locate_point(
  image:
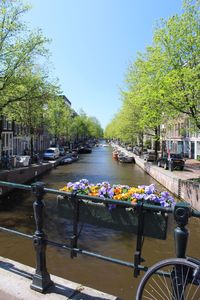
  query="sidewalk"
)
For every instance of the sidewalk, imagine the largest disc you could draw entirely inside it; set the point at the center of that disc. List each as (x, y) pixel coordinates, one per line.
(193, 164)
(191, 170)
(16, 279)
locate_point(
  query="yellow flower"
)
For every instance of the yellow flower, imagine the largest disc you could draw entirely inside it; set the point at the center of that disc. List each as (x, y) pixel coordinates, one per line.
(64, 189)
(133, 201)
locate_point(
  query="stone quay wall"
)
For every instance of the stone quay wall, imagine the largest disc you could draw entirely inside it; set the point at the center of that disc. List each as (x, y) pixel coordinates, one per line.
(23, 175)
(190, 192)
(186, 190)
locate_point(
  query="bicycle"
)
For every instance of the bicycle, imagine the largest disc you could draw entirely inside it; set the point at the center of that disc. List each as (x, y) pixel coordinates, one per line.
(174, 278)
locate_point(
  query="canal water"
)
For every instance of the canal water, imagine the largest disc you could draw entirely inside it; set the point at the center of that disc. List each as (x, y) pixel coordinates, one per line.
(16, 212)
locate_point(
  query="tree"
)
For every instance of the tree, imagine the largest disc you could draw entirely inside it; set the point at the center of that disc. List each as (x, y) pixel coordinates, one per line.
(179, 41)
(94, 128)
(30, 112)
(18, 50)
(56, 117)
(163, 82)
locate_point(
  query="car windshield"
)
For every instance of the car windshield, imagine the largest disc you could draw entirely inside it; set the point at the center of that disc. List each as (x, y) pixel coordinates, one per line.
(49, 151)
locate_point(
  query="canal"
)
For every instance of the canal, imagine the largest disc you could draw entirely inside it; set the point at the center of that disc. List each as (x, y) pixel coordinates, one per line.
(16, 212)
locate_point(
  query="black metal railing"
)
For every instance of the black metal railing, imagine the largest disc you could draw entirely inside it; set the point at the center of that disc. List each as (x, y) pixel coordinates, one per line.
(41, 279)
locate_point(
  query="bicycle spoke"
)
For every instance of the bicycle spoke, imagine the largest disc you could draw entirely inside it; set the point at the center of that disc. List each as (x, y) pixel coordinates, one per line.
(150, 295)
(192, 283)
(156, 290)
(170, 279)
(174, 293)
(185, 282)
(170, 294)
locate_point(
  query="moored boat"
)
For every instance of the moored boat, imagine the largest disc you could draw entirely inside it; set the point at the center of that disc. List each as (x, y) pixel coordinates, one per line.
(125, 158)
(115, 154)
(84, 149)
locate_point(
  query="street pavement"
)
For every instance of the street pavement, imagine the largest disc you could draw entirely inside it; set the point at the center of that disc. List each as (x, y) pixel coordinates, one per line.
(191, 170)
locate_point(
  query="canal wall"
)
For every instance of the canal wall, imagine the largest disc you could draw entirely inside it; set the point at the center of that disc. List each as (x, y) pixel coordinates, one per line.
(178, 182)
(16, 279)
(190, 192)
(24, 174)
(186, 190)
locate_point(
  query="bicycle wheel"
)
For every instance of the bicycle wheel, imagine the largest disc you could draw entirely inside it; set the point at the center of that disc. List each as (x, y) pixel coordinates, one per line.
(171, 279)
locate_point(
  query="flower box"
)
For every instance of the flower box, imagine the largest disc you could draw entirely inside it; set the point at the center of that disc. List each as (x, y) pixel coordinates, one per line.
(119, 218)
(123, 217)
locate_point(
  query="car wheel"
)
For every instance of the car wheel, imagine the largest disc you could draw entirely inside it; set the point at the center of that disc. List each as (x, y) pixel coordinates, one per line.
(165, 166)
(159, 164)
(181, 168)
(171, 167)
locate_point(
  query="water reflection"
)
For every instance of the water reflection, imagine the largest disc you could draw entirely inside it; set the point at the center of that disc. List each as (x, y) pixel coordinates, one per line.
(16, 212)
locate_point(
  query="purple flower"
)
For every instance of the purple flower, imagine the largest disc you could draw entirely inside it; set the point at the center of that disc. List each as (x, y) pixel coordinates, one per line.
(69, 184)
(150, 189)
(138, 196)
(165, 194)
(85, 181)
(110, 193)
(155, 198)
(102, 190)
(76, 186)
(141, 186)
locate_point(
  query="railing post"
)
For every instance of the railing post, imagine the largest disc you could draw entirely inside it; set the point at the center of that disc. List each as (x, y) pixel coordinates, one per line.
(74, 238)
(139, 243)
(181, 216)
(41, 279)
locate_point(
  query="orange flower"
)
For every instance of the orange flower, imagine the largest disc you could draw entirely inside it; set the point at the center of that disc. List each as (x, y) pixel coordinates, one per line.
(117, 197)
(117, 191)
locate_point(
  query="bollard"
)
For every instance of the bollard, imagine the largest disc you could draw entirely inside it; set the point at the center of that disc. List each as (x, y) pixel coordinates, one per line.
(41, 278)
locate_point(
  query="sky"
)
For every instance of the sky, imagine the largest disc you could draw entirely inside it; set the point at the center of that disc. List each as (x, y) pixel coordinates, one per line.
(92, 44)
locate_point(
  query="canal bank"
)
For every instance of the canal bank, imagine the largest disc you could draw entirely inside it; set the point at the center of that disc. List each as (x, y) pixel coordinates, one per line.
(26, 174)
(180, 183)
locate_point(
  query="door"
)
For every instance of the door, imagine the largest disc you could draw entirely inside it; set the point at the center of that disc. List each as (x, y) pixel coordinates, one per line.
(192, 149)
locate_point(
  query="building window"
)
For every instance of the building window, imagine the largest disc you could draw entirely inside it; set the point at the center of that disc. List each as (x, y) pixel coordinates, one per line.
(9, 125)
(4, 123)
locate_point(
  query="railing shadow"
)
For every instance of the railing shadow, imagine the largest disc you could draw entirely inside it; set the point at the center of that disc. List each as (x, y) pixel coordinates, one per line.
(57, 288)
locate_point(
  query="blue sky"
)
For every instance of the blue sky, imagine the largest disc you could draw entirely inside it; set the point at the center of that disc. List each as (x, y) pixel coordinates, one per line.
(92, 44)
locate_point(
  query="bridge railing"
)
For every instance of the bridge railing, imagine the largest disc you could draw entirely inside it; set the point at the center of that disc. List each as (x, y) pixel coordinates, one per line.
(41, 279)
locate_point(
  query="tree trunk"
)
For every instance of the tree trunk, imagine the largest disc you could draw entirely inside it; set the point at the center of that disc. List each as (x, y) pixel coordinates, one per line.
(31, 142)
(157, 141)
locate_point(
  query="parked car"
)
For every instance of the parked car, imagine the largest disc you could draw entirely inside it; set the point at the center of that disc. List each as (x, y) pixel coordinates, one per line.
(149, 155)
(129, 148)
(51, 153)
(174, 161)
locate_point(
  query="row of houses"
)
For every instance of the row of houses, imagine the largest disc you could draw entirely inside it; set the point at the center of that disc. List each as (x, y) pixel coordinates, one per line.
(15, 138)
(181, 137)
